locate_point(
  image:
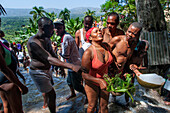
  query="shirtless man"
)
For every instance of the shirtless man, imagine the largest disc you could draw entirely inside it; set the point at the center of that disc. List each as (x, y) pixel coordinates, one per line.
(138, 58)
(112, 30)
(124, 45)
(80, 36)
(42, 57)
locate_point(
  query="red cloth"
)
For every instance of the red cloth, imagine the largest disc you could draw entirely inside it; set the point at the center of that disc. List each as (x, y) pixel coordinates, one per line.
(62, 39)
(88, 33)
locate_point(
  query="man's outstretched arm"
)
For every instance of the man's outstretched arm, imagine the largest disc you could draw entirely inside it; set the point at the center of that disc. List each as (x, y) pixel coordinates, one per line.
(44, 56)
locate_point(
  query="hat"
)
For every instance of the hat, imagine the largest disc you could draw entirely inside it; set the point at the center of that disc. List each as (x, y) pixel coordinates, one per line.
(88, 33)
(58, 21)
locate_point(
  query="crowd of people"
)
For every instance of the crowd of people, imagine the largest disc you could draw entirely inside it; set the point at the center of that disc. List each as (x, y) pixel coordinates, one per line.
(94, 52)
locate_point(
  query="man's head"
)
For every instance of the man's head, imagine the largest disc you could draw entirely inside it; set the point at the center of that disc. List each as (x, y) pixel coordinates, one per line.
(59, 26)
(133, 32)
(46, 27)
(112, 21)
(88, 21)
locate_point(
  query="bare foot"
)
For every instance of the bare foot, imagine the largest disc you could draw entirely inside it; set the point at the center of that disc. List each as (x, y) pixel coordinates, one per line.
(70, 97)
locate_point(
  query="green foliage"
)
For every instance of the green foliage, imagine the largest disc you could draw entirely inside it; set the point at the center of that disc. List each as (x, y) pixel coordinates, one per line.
(56, 39)
(125, 8)
(32, 27)
(10, 25)
(38, 12)
(73, 25)
(18, 28)
(164, 4)
(90, 13)
(65, 14)
(117, 85)
(51, 15)
(165, 7)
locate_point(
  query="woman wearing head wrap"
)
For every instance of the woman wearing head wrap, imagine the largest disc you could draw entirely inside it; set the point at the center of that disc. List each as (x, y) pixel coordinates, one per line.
(95, 62)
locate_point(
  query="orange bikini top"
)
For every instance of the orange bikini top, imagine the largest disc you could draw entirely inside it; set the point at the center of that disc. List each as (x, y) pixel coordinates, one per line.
(99, 68)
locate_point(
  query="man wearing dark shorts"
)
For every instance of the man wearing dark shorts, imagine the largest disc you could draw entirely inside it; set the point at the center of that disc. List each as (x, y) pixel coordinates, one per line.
(42, 57)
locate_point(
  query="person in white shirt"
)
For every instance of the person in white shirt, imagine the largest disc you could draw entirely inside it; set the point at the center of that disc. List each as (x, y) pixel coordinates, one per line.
(71, 54)
(80, 36)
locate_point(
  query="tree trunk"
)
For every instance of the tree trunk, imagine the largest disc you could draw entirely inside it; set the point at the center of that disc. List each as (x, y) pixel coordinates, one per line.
(151, 16)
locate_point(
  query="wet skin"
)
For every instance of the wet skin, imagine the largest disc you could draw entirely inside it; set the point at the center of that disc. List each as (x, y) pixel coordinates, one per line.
(91, 89)
(43, 56)
(87, 25)
(39, 48)
(124, 45)
(10, 92)
(111, 31)
(39, 54)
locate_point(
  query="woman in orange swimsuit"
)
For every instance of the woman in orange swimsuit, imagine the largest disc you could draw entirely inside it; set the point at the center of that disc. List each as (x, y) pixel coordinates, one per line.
(95, 62)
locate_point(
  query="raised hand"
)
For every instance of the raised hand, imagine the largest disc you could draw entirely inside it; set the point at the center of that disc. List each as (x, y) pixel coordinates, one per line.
(134, 68)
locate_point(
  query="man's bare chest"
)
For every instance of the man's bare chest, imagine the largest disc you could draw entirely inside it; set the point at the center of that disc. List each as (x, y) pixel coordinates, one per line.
(46, 44)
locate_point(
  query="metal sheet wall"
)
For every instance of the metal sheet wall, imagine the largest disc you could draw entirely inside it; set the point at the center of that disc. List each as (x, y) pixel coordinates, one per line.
(159, 46)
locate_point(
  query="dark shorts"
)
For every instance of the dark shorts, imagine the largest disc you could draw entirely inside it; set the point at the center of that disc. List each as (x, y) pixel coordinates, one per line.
(74, 80)
(42, 79)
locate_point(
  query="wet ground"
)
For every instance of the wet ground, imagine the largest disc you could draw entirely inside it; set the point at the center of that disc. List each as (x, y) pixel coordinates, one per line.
(146, 100)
